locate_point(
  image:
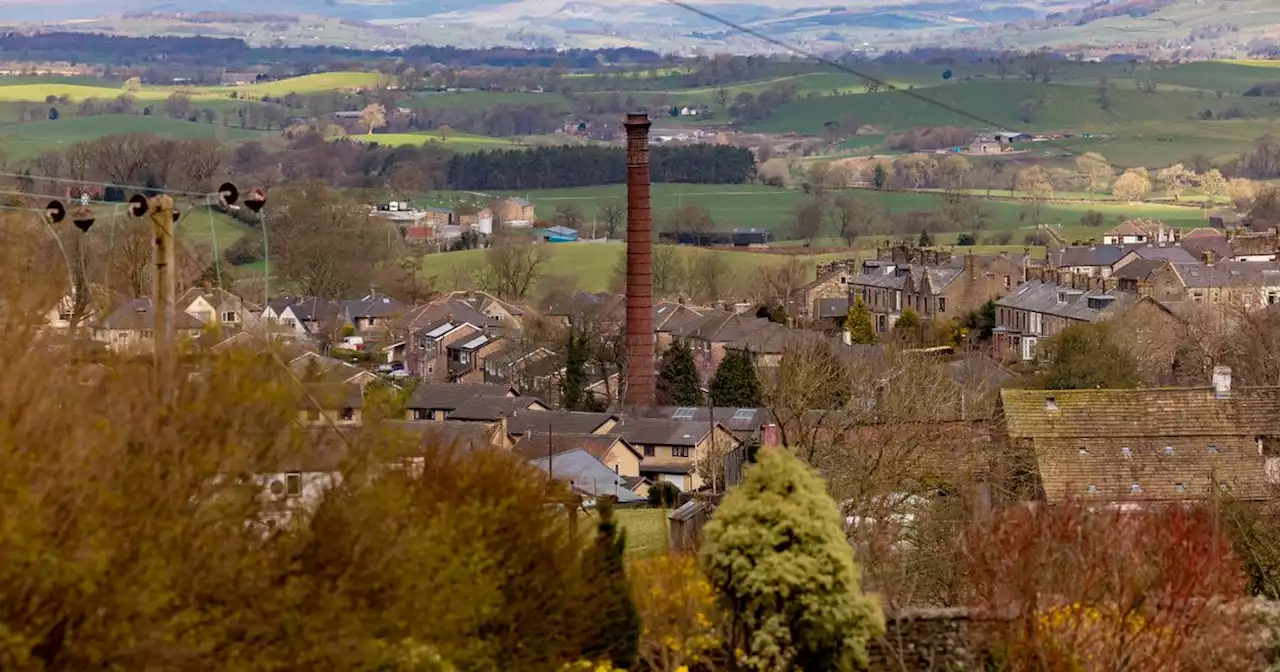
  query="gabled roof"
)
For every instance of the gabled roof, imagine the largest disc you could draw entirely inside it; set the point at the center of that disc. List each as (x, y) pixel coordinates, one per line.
(590, 305)
(771, 338)
(215, 296)
(475, 342)
(310, 309)
(379, 306)
(534, 445)
(490, 409)
(1145, 444)
(448, 396)
(332, 396)
(444, 434)
(568, 422)
(1253, 244)
(657, 432)
(1126, 228)
(738, 420)
(587, 475)
(1045, 297)
(139, 315)
(440, 312)
(669, 316)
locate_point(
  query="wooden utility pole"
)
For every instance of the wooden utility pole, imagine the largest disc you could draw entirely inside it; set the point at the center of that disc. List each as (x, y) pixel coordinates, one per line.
(160, 210)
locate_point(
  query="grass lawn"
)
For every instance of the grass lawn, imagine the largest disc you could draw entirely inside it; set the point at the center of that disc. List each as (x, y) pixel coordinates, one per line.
(22, 141)
(646, 531)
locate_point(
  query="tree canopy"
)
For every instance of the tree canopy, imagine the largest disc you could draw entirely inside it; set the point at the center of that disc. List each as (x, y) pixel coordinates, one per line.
(678, 383)
(858, 323)
(736, 382)
(777, 556)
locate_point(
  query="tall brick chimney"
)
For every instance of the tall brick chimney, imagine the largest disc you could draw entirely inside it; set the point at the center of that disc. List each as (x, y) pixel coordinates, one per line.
(640, 355)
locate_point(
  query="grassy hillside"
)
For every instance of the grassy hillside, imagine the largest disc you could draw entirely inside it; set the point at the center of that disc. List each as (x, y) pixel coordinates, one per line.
(1062, 107)
(1228, 76)
(30, 139)
(80, 88)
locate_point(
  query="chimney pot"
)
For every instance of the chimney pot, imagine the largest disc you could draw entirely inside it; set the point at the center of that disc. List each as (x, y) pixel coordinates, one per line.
(1221, 382)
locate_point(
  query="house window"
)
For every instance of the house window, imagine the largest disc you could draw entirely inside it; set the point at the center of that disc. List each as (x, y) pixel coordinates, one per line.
(431, 368)
(1126, 453)
(942, 304)
(373, 321)
(648, 451)
(1213, 450)
(1007, 282)
(313, 415)
(1093, 489)
(65, 315)
(1179, 487)
(421, 414)
(679, 451)
(290, 323)
(348, 414)
(1135, 489)
(146, 333)
(293, 485)
(229, 316)
(1168, 450)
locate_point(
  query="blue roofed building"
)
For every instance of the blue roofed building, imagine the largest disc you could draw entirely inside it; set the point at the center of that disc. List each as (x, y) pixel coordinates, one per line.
(558, 234)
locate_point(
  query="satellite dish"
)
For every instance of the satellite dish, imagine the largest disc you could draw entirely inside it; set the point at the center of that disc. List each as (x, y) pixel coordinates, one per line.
(228, 193)
(138, 205)
(56, 211)
(83, 218)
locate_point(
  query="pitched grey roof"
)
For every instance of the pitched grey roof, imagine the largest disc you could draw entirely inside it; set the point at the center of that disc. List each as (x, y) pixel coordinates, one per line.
(833, 308)
(587, 474)
(374, 306)
(1063, 301)
(448, 396)
(439, 312)
(770, 338)
(446, 434)
(568, 422)
(737, 420)
(490, 409)
(1230, 274)
(657, 432)
(332, 396)
(311, 309)
(533, 445)
(138, 314)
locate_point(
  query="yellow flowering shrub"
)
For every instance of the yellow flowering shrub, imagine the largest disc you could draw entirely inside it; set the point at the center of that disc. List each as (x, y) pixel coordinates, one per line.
(677, 608)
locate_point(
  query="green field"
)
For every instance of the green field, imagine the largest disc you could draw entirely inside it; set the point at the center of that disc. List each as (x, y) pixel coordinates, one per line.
(772, 208)
(80, 88)
(20, 141)
(995, 103)
(593, 266)
(459, 142)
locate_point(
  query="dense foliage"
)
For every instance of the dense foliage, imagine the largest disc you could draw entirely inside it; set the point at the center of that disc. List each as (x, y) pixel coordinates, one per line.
(564, 167)
(736, 383)
(677, 383)
(777, 556)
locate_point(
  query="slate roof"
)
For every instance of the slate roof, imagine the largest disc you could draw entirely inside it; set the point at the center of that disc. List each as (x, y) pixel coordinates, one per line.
(439, 312)
(737, 420)
(1043, 297)
(374, 305)
(1145, 444)
(137, 315)
(311, 309)
(332, 396)
(534, 445)
(669, 317)
(587, 475)
(216, 296)
(1126, 228)
(1214, 242)
(770, 338)
(490, 409)
(1229, 274)
(448, 434)
(1253, 244)
(658, 432)
(568, 422)
(1136, 270)
(721, 327)
(448, 396)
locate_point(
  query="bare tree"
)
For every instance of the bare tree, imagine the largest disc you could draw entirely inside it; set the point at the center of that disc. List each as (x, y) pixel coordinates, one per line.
(809, 216)
(130, 258)
(324, 245)
(373, 116)
(782, 281)
(512, 267)
(709, 274)
(613, 213)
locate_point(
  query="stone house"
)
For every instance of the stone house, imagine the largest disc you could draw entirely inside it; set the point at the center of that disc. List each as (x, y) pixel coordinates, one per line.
(830, 285)
(516, 212)
(710, 337)
(372, 314)
(1137, 231)
(1040, 309)
(1143, 446)
(216, 306)
(934, 292)
(1248, 285)
(130, 327)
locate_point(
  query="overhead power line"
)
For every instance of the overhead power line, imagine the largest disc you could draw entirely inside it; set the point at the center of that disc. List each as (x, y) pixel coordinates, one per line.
(910, 93)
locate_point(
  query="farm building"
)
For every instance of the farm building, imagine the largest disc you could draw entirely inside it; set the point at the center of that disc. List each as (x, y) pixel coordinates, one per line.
(736, 238)
(558, 234)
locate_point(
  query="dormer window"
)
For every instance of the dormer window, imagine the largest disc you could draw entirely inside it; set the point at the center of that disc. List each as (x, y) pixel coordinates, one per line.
(1168, 450)
(1179, 487)
(1135, 489)
(1093, 489)
(1126, 453)
(1050, 404)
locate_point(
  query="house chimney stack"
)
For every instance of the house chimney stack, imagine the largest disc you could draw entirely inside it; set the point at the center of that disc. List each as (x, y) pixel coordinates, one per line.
(1221, 382)
(640, 362)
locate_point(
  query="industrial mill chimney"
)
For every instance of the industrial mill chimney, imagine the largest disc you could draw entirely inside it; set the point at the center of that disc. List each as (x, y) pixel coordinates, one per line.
(640, 356)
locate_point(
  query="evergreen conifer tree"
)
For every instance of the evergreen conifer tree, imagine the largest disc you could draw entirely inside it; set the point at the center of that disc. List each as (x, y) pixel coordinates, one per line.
(736, 383)
(617, 636)
(858, 323)
(777, 556)
(573, 388)
(677, 383)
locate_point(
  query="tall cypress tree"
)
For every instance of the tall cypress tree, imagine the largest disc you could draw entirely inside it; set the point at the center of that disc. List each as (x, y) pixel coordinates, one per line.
(617, 626)
(736, 382)
(858, 323)
(573, 389)
(677, 383)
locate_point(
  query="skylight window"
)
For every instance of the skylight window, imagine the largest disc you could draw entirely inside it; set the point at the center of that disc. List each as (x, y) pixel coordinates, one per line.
(1135, 489)
(1093, 489)
(1213, 450)
(1180, 487)
(684, 413)
(1168, 450)
(1126, 453)
(743, 415)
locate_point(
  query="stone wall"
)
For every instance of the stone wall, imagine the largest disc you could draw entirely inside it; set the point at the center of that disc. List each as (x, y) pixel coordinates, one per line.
(941, 640)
